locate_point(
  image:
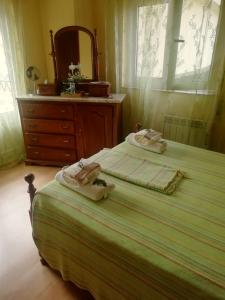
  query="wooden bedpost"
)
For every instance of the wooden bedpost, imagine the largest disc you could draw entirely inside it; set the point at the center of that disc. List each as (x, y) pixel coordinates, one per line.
(31, 190)
(29, 178)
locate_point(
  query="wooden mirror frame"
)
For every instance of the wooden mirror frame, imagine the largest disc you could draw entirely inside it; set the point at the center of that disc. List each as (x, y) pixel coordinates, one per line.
(94, 51)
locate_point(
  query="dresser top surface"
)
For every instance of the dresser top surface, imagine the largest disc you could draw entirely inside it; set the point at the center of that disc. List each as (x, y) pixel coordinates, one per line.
(113, 98)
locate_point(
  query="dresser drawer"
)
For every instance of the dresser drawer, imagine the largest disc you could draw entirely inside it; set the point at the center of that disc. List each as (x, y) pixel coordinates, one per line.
(51, 154)
(47, 110)
(48, 126)
(50, 140)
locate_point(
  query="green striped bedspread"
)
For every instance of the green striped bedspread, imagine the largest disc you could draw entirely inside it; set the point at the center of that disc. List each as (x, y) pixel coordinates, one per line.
(139, 243)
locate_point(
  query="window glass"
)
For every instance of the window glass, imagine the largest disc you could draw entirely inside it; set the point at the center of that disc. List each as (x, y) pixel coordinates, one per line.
(152, 21)
(6, 99)
(197, 37)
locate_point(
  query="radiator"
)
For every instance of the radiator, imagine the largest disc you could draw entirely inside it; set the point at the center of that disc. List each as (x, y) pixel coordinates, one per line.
(186, 131)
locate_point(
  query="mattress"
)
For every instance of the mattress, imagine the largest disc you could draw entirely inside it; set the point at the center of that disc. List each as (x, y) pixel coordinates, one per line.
(140, 243)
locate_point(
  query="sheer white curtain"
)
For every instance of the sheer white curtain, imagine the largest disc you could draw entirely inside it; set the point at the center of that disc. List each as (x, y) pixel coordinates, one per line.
(163, 54)
(11, 84)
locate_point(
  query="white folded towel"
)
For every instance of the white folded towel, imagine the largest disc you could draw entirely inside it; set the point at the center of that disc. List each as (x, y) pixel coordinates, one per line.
(157, 147)
(92, 191)
(81, 173)
(147, 137)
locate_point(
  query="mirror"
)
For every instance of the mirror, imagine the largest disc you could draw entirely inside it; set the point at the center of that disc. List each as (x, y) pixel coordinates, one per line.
(77, 45)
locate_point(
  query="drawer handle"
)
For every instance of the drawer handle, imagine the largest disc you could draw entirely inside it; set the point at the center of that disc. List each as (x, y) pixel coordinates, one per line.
(33, 125)
(34, 139)
(36, 152)
(62, 111)
(67, 154)
(66, 141)
(65, 127)
(30, 110)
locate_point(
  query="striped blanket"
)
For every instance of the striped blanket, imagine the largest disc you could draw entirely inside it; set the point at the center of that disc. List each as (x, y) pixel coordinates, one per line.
(140, 244)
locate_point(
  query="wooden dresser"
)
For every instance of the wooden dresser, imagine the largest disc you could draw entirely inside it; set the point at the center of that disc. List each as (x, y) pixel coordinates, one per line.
(59, 131)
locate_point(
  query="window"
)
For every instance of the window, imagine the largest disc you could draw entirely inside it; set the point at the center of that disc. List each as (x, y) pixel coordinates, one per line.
(6, 98)
(175, 42)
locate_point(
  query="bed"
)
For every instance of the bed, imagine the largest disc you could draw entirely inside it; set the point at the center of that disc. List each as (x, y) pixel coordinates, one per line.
(140, 243)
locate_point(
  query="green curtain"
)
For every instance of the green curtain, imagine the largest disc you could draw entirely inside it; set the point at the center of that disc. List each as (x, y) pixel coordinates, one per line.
(12, 83)
(167, 56)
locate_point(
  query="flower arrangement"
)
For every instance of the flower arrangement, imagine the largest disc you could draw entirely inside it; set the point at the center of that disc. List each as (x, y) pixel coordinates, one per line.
(74, 76)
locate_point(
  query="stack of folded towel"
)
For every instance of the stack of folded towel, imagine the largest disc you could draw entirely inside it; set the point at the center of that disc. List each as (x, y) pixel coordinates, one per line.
(147, 139)
(82, 177)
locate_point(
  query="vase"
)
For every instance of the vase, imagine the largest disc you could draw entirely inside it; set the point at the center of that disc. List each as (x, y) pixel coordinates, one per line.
(72, 88)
